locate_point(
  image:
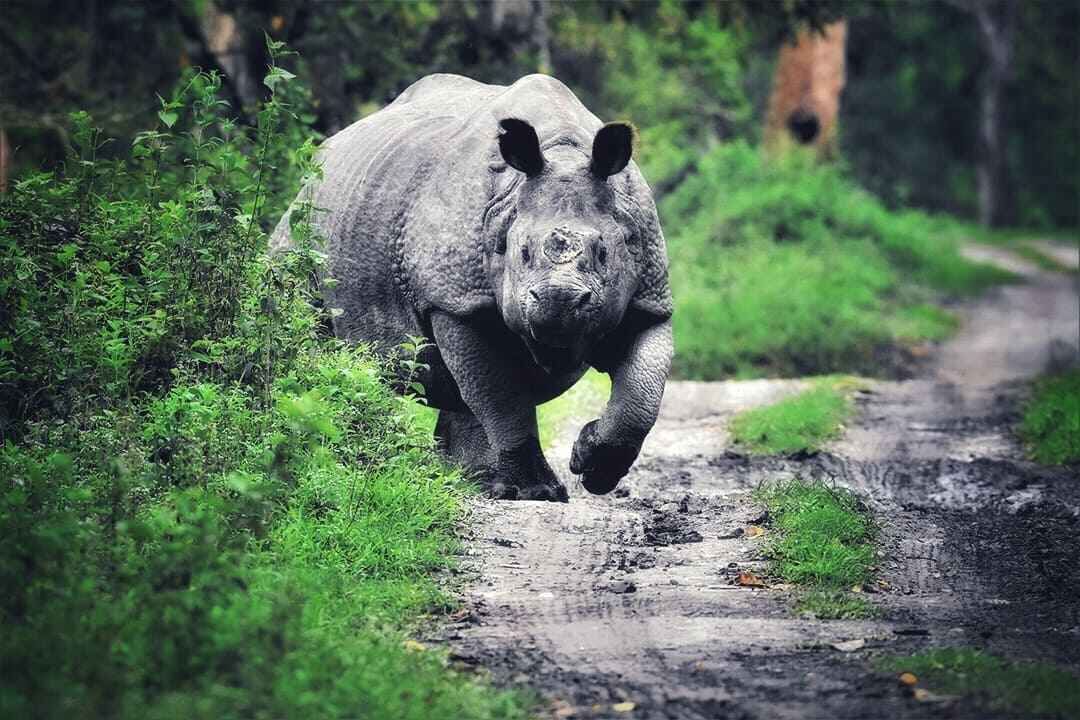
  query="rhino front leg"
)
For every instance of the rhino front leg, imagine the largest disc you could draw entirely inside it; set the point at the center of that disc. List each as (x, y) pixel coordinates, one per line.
(607, 447)
(515, 467)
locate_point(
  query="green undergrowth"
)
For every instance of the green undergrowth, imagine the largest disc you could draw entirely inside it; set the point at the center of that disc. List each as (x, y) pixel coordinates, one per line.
(1032, 688)
(823, 542)
(1051, 422)
(584, 401)
(785, 267)
(209, 507)
(802, 422)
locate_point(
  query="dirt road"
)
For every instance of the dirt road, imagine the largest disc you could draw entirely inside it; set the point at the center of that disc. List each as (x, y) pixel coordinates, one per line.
(629, 598)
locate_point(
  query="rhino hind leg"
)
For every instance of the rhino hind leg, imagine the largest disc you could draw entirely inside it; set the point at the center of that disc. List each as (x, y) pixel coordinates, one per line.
(521, 473)
(461, 438)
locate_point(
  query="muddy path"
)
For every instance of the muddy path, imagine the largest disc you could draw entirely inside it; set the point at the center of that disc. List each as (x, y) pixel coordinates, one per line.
(630, 597)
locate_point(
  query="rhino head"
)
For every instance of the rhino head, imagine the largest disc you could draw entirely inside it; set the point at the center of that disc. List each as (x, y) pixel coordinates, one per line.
(562, 267)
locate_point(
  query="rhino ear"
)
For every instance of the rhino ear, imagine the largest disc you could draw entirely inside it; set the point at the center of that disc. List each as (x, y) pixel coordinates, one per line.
(612, 148)
(520, 147)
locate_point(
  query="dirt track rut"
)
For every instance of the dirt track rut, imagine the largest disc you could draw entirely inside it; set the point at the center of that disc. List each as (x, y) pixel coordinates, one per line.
(630, 597)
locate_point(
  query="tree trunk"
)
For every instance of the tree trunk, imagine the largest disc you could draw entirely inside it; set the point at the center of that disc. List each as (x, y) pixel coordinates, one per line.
(996, 22)
(5, 160)
(807, 84)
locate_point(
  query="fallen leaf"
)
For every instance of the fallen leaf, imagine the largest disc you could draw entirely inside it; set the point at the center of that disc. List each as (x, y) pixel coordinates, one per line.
(925, 696)
(414, 645)
(908, 679)
(750, 580)
(849, 645)
(623, 707)
(754, 530)
(856, 588)
(563, 709)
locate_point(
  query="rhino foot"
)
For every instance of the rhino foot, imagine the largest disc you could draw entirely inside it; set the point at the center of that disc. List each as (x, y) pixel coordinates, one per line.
(523, 474)
(601, 465)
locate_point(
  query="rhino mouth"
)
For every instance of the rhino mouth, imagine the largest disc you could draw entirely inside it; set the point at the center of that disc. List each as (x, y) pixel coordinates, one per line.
(555, 360)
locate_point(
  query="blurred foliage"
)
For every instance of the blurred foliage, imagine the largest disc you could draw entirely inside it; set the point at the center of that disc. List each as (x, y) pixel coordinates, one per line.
(210, 508)
(910, 109)
(800, 272)
(687, 73)
(1051, 422)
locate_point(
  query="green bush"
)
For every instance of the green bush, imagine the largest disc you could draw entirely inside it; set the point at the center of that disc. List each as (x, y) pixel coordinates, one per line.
(210, 508)
(784, 267)
(1051, 423)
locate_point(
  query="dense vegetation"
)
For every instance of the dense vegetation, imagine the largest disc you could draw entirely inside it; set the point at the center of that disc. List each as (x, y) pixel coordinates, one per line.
(1051, 422)
(787, 267)
(211, 508)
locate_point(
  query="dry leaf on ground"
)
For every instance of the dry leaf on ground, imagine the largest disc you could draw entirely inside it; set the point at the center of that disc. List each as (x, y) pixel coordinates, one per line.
(849, 645)
(754, 530)
(623, 707)
(750, 580)
(908, 679)
(414, 645)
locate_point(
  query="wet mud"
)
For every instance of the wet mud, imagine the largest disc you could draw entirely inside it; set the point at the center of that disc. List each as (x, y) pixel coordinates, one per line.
(632, 597)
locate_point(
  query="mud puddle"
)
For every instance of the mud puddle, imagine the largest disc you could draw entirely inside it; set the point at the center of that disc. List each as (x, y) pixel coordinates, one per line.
(631, 598)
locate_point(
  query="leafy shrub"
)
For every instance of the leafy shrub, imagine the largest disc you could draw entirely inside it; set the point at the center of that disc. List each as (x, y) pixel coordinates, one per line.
(785, 267)
(210, 508)
(675, 74)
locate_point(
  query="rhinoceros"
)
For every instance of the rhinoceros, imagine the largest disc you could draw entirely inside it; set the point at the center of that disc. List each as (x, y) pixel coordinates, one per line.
(509, 227)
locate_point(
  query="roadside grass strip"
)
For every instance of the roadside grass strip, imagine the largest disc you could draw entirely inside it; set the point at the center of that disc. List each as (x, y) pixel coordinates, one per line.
(1051, 423)
(1042, 260)
(824, 543)
(1032, 688)
(803, 422)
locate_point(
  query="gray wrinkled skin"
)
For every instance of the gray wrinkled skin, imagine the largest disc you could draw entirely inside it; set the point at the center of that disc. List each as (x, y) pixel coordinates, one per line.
(508, 226)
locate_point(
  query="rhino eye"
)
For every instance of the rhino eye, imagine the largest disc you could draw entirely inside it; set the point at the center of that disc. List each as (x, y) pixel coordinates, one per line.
(525, 256)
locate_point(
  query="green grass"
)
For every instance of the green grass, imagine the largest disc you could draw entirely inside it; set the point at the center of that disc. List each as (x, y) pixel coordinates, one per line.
(787, 268)
(218, 558)
(1039, 258)
(802, 422)
(583, 402)
(923, 322)
(209, 508)
(1032, 688)
(1051, 422)
(824, 542)
(835, 605)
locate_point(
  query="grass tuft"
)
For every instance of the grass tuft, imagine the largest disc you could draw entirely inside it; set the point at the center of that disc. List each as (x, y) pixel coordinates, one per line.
(835, 605)
(824, 541)
(800, 423)
(1051, 424)
(1032, 688)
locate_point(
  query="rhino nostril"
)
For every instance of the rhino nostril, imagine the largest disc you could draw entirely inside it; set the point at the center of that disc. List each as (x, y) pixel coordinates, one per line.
(534, 295)
(582, 299)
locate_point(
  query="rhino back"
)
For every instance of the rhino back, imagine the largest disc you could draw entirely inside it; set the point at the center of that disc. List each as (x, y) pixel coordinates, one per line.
(405, 192)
